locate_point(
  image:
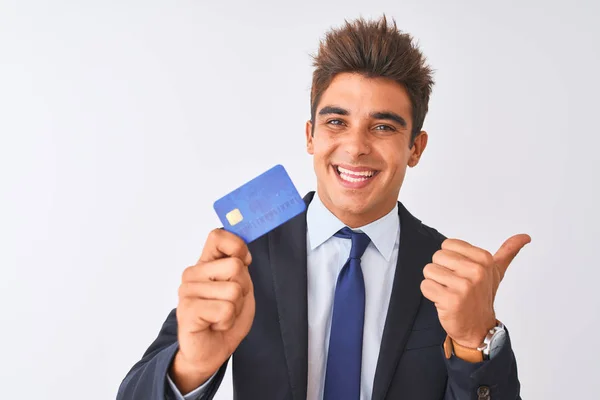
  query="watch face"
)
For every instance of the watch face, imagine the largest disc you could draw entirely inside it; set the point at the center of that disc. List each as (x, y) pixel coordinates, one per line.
(497, 342)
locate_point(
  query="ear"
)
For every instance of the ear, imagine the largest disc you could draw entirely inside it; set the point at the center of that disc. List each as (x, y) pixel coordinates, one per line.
(417, 149)
(309, 137)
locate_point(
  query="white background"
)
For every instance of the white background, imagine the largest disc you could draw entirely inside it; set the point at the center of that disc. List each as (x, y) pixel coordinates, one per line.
(122, 122)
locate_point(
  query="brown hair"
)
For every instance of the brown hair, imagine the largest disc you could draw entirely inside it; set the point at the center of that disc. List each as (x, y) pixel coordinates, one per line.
(374, 49)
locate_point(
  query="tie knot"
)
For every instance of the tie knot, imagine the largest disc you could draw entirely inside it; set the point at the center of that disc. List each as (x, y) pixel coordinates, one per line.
(360, 241)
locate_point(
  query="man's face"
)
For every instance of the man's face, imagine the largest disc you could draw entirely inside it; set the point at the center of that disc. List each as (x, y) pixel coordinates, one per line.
(361, 146)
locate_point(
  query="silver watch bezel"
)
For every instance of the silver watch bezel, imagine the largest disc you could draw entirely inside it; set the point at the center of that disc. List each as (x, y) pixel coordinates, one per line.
(489, 339)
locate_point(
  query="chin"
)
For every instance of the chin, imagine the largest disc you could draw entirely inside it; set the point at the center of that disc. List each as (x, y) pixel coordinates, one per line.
(351, 207)
(352, 202)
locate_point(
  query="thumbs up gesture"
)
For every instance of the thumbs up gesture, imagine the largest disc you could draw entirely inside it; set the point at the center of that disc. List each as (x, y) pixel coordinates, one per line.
(462, 281)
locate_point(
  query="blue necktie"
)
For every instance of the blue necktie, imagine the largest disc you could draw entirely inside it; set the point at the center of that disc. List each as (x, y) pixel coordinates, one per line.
(342, 378)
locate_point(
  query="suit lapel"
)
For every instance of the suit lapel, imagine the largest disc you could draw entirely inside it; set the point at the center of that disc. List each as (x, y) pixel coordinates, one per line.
(287, 253)
(405, 299)
(288, 260)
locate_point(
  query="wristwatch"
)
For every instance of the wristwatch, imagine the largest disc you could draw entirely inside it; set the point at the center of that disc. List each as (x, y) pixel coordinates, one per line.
(493, 342)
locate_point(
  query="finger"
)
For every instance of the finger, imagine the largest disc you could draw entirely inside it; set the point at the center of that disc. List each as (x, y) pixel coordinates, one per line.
(221, 243)
(444, 277)
(228, 291)
(462, 266)
(509, 250)
(224, 269)
(476, 254)
(200, 314)
(433, 291)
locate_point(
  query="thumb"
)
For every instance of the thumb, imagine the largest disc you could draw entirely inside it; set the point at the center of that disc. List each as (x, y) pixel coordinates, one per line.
(509, 250)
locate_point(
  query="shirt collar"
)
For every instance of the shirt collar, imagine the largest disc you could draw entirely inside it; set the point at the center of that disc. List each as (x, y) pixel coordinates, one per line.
(322, 225)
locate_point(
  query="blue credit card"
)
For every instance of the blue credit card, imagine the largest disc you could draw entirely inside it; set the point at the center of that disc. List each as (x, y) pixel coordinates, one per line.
(260, 205)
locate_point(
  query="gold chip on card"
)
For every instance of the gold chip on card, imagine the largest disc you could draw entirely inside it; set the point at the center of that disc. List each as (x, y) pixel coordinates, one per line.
(234, 217)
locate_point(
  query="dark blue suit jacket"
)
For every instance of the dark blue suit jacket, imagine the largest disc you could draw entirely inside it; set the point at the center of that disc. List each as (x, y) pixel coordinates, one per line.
(271, 363)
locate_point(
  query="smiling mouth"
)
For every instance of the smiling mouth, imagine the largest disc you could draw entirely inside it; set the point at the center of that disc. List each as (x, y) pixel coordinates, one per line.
(353, 176)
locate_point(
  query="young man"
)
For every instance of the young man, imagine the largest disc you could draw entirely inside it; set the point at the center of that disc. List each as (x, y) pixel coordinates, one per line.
(355, 298)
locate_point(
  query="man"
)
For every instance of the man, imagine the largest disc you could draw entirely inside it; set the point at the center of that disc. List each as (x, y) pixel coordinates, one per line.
(355, 298)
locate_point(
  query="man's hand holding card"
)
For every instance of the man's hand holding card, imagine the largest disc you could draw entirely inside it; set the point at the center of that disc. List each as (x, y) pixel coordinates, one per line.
(216, 297)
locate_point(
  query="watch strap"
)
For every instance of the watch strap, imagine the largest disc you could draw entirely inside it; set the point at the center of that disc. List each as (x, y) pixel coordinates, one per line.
(462, 352)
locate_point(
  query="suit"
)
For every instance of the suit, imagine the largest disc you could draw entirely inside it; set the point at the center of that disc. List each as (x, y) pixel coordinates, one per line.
(271, 362)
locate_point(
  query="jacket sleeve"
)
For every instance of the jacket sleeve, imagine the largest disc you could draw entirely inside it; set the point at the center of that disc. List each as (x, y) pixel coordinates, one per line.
(147, 379)
(494, 379)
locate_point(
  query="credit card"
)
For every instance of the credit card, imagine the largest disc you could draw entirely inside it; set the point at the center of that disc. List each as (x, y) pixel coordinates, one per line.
(260, 205)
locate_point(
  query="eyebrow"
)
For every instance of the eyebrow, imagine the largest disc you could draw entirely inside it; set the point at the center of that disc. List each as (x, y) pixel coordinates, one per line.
(385, 115)
(392, 116)
(333, 110)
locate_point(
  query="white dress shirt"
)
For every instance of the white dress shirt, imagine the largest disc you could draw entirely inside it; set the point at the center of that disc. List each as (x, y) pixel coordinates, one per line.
(327, 255)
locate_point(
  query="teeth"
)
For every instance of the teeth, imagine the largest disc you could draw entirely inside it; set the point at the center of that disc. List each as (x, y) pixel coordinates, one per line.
(354, 173)
(348, 178)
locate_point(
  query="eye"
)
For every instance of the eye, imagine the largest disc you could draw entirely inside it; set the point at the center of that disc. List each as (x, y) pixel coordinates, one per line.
(384, 128)
(335, 122)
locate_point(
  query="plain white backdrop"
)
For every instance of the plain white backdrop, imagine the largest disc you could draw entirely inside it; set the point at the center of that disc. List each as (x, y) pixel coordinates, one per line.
(122, 121)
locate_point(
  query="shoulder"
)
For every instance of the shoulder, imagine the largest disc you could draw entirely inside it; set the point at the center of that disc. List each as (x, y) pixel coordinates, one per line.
(414, 224)
(432, 233)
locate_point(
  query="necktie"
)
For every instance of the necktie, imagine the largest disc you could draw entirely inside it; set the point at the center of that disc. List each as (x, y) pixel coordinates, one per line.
(342, 377)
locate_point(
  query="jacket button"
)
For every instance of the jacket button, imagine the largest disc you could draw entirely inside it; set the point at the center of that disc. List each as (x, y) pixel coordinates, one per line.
(483, 393)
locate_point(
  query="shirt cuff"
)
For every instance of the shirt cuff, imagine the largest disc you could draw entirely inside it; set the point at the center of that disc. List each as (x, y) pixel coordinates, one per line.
(194, 394)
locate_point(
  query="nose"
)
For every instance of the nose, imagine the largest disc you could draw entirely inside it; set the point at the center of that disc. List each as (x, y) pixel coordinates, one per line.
(357, 142)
